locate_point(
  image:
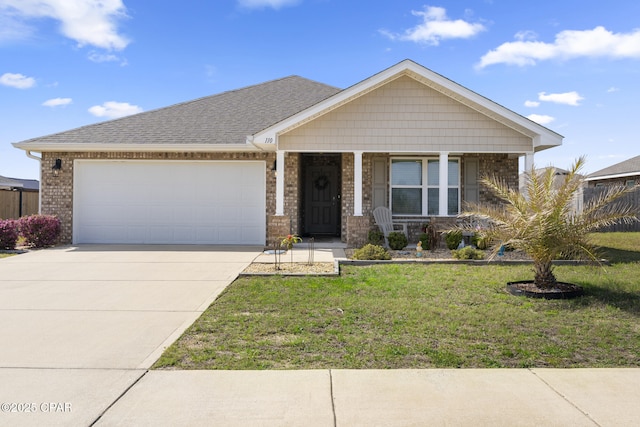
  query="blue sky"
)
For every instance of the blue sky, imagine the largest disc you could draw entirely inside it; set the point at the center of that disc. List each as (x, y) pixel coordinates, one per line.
(571, 65)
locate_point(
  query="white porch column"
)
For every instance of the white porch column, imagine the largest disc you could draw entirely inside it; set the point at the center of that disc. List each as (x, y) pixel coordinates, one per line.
(443, 188)
(528, 162)
(357, 183)
(528, 169)
(280, 183)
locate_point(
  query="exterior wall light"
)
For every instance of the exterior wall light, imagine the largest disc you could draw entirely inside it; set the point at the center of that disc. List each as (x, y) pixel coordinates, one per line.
(56, 167)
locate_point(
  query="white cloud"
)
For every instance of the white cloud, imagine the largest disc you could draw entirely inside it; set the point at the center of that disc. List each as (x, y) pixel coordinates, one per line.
(88, 22)
(568, 44)
(526, 35)
(540, 118)
(18, 81)
(102, 57)
(436, 26)
(259, 4)
(56, 102)
(11, 29)
(114, 110)
(98, 57)
(531, 104)
(613, 89)
(567, 98)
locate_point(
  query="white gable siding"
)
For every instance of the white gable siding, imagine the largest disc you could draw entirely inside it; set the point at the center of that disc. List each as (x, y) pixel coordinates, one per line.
(405, 116)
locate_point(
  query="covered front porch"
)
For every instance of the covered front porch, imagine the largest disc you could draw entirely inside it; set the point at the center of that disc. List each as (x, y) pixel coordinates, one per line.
(334, 194)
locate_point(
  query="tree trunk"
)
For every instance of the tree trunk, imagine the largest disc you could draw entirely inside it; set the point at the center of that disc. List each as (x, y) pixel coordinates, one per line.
(544, 275)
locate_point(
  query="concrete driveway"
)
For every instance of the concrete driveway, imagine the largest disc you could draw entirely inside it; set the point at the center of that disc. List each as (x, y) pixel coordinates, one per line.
(80, 325)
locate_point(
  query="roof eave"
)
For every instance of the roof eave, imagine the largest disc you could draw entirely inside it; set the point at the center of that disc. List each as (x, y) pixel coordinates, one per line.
(96, 147)
(612, 176)
(546, 141)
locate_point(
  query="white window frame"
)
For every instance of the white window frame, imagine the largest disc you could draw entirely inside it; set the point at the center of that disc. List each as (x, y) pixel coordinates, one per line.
(425, 186)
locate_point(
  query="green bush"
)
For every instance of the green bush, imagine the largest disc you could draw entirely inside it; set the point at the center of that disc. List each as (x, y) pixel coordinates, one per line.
(468, 253)
(453, 239)
(375, 237)
(480, 241)
(397, 240)
(371, 252)
(425, 240)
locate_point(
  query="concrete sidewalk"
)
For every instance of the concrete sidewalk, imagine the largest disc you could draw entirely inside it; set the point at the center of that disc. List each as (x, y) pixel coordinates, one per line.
(438, 397)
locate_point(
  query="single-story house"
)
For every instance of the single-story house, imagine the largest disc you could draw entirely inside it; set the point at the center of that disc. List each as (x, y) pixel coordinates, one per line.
(292, 155)
(558, 173)
(623, 173)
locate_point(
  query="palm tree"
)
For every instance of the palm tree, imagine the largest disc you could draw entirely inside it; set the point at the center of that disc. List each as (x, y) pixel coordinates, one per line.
(543, 221)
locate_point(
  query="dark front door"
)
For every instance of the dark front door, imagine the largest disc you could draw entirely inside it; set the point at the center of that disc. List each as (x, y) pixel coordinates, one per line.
(322, 195)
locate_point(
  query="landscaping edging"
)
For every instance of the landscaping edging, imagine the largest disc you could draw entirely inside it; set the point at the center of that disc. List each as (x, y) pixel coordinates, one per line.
(462, 261)
(345, 261)
(572, 291)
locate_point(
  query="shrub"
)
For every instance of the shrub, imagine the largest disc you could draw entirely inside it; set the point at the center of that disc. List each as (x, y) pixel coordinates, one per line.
(397, 240)
(375, 237)
(433, 239)
(371, 252)
(453, 239)
(8, 234)
(480, 241)
(468, 253)
(424, 240)
(40, 231)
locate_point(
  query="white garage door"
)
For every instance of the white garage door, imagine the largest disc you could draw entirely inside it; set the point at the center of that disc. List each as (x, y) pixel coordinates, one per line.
(169, 202)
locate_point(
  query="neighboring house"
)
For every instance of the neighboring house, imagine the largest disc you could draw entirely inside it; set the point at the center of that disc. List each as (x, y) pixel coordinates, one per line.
(623, 173)
(559, 175)
(287, 156)
(626, 173)
(558, 179)
(18, 197)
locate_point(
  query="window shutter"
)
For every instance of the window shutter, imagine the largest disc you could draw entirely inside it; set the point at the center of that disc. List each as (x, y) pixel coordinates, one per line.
(471, 176)
(380, 182)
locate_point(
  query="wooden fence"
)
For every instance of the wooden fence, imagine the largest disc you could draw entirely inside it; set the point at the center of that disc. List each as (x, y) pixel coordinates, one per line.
(632, 198)
(10, 206)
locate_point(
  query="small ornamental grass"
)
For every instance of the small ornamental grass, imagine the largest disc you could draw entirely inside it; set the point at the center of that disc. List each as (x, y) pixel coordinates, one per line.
(468, 252)
(371, 252)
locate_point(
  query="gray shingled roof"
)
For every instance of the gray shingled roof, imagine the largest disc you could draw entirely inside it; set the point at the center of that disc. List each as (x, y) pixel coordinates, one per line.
(26, 184)
(225, 118)
(631, 165)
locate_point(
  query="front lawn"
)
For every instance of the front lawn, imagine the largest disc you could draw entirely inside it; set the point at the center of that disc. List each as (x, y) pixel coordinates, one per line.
(421, 316)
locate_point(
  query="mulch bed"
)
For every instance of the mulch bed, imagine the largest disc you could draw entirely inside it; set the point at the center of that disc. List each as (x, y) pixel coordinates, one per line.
(301, 268)
(560, 290)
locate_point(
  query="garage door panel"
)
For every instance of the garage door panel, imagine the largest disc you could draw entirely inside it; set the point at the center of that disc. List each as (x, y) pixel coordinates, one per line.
(196, 202)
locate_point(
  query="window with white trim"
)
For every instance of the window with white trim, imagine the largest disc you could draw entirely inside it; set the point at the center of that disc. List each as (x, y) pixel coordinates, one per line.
(415, 186)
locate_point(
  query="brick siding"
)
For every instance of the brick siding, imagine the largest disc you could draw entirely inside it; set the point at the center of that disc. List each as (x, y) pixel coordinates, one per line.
(57, 191)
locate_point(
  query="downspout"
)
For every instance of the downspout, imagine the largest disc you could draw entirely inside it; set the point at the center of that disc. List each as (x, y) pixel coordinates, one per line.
(39, 159)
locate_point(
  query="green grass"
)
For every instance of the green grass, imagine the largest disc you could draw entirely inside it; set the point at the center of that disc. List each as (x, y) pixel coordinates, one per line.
(5, 255)
(421, 316)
